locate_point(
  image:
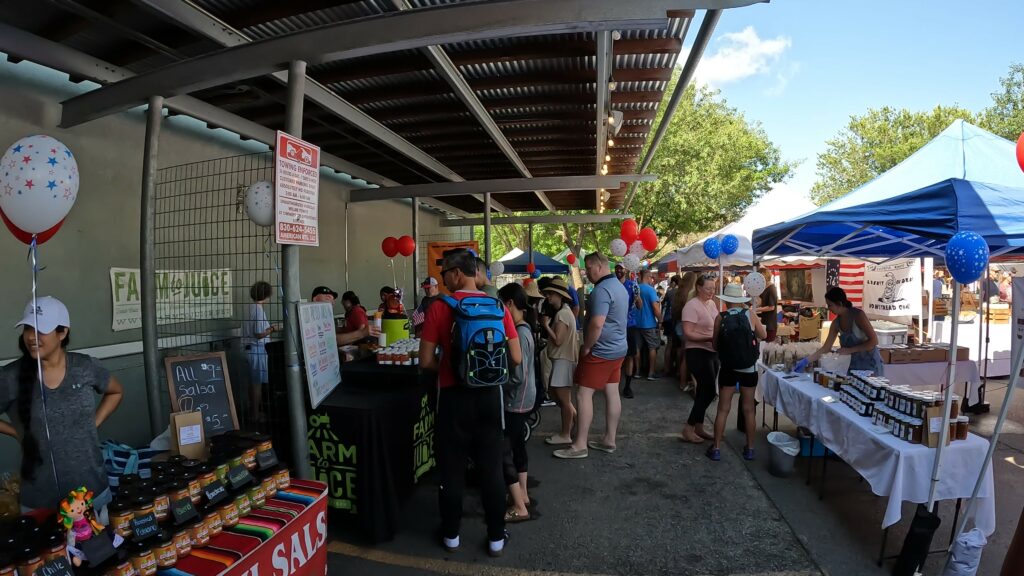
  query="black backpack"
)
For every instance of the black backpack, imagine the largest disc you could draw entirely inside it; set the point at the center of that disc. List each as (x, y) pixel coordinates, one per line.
(737, 344)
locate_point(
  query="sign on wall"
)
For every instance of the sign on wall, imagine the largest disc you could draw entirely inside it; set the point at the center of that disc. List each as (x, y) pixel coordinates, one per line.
(296, 191)
(181, 295)
(320, 349)
(893, 288)
(1017, 330)
(435, 257)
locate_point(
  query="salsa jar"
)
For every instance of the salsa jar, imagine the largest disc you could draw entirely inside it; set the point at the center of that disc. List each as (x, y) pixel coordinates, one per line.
(166, 551)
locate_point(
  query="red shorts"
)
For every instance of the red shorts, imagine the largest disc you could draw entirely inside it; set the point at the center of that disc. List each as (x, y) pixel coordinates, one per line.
(596, 373)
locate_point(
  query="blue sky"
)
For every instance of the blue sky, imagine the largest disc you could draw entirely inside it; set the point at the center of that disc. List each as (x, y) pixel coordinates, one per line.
(802, 67)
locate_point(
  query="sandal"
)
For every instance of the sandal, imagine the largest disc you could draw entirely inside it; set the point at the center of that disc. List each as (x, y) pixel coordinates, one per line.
(555, 441)
(513, 517)
(691, 439)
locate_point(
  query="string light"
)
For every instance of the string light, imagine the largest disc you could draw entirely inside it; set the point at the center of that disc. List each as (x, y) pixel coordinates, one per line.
(607, 157)
(611, 142)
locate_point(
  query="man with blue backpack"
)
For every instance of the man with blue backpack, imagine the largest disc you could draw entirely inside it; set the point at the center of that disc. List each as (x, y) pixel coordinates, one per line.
(468, 339)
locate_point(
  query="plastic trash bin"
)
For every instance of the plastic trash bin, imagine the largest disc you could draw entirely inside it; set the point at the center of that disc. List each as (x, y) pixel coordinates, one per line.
(784, 449)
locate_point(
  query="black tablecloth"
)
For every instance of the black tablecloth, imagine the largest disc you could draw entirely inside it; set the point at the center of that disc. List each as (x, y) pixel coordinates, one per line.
(371, 441)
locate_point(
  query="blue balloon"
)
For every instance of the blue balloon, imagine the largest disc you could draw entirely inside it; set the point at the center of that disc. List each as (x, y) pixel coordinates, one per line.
(966, 256)
(535, 275)
(712, 248)
(730, 244)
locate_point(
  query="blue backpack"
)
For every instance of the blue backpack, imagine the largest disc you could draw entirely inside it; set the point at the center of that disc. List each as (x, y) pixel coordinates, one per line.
(480, 346)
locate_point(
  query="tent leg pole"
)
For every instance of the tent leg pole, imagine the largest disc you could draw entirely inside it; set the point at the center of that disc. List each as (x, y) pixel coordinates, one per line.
(1018, 364)
(948, 393)
(529, 242)
(487, 228)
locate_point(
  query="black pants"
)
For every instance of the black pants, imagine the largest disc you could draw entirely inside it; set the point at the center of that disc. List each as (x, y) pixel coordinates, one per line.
(703, 365)
(515, 446)
(469, 426)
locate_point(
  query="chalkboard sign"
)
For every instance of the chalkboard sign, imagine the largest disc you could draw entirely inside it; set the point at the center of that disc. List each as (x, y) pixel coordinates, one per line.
(201, 382)
(239, 477)
(57, 567)
(144, 527)
(183, 511)
(266, 459)
(215, 492)
(98, 548)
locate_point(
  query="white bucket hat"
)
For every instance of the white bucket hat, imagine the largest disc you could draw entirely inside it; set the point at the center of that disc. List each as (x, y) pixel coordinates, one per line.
(734, 295)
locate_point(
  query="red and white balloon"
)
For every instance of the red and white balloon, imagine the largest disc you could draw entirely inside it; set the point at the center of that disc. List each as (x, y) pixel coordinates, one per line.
(637, 248)
(618, 247)
(38, 184)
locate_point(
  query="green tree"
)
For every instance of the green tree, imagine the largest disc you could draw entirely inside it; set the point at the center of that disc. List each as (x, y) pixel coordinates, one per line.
(1005, 116)
(711, 165)
(875, 142)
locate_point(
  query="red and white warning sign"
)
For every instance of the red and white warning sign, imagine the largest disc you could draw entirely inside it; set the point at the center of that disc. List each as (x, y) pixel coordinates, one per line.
(296, 191)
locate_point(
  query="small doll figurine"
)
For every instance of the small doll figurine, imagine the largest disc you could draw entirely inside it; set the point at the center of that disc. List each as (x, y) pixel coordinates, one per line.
(76, 516)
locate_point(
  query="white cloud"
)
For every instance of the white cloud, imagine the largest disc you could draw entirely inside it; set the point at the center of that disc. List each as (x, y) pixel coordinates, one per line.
(741, 55)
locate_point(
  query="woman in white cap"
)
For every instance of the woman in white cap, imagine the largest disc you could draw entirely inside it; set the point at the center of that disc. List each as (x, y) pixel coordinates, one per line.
(737, 331)
(56, 424)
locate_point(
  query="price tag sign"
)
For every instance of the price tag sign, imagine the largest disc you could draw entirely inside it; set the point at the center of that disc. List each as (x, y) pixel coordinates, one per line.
(99, 548)
(215, 492)
(144, 527)
(266, 459)
(56, 567)
(828, 400)
(183, 511)
(239, 477)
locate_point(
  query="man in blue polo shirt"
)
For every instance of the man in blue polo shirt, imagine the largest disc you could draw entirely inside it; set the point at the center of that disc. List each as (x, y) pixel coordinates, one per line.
(648, 318)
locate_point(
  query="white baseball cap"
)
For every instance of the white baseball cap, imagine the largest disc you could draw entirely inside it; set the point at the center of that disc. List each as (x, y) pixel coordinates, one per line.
(49, 313)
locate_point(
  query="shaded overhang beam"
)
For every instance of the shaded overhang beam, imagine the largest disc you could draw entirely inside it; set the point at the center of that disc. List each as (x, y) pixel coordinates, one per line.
(497, 186)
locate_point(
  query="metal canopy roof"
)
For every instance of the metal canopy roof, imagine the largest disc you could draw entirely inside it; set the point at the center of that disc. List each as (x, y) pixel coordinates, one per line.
(520, 105)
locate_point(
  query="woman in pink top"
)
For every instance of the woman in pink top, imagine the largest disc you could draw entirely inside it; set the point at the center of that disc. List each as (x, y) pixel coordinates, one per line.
(699, 316)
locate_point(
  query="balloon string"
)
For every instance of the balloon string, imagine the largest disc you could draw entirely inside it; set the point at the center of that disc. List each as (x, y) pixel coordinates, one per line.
(34, 253)
(394, 278)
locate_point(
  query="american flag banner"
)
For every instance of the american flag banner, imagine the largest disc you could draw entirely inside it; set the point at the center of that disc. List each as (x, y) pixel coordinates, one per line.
(851, 280)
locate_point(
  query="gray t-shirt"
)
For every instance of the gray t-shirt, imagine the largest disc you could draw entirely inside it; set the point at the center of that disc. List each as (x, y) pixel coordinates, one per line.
(610, 299)
(521, 393)
(71, 412)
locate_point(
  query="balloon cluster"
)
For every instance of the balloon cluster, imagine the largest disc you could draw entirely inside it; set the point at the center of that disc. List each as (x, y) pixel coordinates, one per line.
(38, 187)
(714, 247)
(392, 246)
(632, 244)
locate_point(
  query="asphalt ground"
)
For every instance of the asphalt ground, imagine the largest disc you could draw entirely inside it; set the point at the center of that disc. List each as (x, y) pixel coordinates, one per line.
(657, 506)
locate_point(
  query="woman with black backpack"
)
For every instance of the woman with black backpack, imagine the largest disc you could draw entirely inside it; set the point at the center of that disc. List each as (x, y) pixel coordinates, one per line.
(520, 397)
(737, 331)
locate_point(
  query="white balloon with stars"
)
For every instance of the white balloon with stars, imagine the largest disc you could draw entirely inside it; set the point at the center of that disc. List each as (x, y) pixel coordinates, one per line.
(38, 183)
(966, 256)
(259, 203)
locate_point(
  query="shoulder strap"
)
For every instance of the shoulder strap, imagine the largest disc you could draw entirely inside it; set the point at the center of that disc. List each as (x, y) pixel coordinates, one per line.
(451, 302)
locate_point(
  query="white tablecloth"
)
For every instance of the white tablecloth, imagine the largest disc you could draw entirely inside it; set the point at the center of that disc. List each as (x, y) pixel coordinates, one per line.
(932, 376)
(893, 468)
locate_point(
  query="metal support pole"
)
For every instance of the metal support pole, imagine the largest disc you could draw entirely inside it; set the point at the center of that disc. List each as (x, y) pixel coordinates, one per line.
(529, 243)
(346, 245)
(147, 266)
(951, 369)
(487, 228)
(292, 288)
(984, 378)
(1018, 363)
(416, 251)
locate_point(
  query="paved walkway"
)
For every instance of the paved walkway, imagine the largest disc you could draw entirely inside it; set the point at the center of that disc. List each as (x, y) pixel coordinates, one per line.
(656, 506)
(659, 507)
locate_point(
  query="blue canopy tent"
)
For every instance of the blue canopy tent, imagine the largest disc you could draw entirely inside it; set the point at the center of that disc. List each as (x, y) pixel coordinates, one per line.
(546, 265)
(964, 179)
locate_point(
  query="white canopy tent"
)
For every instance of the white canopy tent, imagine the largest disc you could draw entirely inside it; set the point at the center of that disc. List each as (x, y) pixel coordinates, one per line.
(779, 204)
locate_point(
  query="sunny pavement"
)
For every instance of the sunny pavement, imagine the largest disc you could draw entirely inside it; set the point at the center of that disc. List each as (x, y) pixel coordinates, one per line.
(657, 506)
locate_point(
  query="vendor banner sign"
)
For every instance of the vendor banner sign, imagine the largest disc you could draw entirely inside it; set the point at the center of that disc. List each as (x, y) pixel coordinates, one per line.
(435, 257)
(1017, 332)
(893, 288)
(181, 296)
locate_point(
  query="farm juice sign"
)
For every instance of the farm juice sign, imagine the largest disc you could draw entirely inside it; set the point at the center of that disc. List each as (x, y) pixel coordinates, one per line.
(181, 296)
(296, 191)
